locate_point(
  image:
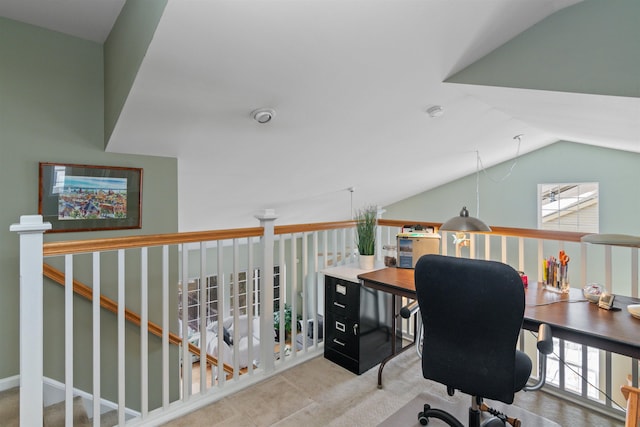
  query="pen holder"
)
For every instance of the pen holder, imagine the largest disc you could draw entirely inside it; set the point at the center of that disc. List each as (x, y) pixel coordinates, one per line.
(560, 286)
(555, 273)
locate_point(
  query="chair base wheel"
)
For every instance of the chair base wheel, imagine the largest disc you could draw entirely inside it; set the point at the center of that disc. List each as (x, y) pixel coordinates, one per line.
(429, 412)
(422, 419)
(422, 416)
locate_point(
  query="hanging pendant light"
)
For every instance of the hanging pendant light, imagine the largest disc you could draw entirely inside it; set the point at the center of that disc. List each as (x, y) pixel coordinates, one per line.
(464, 222)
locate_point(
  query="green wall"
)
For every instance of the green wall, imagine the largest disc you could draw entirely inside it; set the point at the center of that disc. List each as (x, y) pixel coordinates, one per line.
(52, 109)
(590, 47)
(512, 202)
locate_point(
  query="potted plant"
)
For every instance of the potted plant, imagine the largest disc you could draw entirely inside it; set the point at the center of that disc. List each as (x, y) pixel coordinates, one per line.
(287, 322)
(366, 223)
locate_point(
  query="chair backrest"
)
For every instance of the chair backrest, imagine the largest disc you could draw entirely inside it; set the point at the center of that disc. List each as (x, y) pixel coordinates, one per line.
(472, 311)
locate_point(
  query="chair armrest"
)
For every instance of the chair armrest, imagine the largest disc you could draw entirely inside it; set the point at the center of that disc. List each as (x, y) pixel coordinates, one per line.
(545, 339)
(545, 347)
(409, 309)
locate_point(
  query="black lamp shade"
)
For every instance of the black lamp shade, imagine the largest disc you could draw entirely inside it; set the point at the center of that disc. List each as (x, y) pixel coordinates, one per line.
(464, 222)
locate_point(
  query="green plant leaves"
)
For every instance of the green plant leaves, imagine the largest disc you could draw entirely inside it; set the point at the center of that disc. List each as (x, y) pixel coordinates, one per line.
(366, 230)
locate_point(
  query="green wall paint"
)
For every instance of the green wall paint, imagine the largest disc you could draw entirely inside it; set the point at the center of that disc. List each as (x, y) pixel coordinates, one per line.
(51, 109)
(124, 51)
(512, 202)
(590, 47)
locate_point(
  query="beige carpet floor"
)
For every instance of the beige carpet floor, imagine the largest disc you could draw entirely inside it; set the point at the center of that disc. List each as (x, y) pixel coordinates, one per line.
(320, 393)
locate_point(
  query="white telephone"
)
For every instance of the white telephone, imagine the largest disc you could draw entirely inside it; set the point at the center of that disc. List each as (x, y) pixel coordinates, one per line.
(606, 301)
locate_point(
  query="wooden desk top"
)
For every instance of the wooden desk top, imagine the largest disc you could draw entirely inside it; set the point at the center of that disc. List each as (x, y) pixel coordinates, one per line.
(571, 316)
(574, 318)
(391, 279)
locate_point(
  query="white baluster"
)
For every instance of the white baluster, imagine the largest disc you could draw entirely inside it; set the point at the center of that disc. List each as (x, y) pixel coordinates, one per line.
(267, 343)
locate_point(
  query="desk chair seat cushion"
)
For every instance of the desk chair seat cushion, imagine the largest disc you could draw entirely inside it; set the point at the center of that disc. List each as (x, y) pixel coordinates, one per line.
(472, 311)
(523, 369)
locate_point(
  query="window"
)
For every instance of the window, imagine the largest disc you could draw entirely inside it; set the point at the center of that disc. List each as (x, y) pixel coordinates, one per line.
(193, 302)
(568, 207)
(244, 287)
(211, 292)
(573, 369)
(276, 289)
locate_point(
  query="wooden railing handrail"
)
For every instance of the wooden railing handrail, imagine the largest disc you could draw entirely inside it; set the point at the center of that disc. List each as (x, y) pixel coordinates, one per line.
(319, 226)
(400, 223)
(85, 291)
(115, 243)
(567, 236)
(128, 242)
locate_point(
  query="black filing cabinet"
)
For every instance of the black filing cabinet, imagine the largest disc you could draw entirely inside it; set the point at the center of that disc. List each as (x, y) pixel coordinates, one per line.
(358, 322)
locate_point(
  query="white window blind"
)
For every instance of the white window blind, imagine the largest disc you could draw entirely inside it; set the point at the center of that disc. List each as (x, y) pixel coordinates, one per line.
(568, 207)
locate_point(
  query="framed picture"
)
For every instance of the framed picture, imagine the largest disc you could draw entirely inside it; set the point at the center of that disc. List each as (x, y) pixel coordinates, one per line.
(89, 198)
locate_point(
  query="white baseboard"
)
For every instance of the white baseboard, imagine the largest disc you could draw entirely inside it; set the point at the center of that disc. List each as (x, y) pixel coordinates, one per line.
(9, 382)
(54, 392)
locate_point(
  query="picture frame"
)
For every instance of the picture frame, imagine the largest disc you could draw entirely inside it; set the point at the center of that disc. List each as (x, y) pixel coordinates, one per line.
(74, 197)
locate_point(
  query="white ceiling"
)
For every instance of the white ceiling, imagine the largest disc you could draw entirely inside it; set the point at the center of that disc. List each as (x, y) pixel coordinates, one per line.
(350, 81)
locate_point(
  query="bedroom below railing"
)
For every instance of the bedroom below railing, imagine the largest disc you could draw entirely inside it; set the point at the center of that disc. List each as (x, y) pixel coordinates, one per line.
(108, 304)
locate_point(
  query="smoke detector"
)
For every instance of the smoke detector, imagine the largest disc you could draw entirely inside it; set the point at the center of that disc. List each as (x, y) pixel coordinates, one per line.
(263, 115)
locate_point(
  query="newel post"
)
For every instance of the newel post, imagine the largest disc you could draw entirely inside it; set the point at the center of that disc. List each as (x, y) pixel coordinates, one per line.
(267, 343)
(31, 230)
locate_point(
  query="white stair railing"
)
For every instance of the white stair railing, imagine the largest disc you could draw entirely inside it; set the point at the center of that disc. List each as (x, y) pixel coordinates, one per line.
(312, 247)
(141, 289)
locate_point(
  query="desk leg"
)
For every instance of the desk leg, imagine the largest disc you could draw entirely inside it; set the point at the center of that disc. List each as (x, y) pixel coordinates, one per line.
(394, 351)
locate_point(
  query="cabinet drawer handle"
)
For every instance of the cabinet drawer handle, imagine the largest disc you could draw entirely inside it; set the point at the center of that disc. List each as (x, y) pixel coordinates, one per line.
(337, 304)
(340, 326)
(339, 342)
(341, 289)
(355, 329)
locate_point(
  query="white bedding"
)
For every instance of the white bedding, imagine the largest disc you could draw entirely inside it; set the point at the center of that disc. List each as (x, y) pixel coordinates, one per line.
(239, 335)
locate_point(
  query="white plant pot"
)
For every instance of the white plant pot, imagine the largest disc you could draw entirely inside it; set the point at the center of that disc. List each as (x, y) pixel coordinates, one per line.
(366, 262)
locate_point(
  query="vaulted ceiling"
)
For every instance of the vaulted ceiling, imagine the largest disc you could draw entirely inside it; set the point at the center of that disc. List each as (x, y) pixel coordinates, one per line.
(350, 82)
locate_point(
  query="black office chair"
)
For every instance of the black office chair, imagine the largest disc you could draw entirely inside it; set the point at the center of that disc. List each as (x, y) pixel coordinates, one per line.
(472, 313)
